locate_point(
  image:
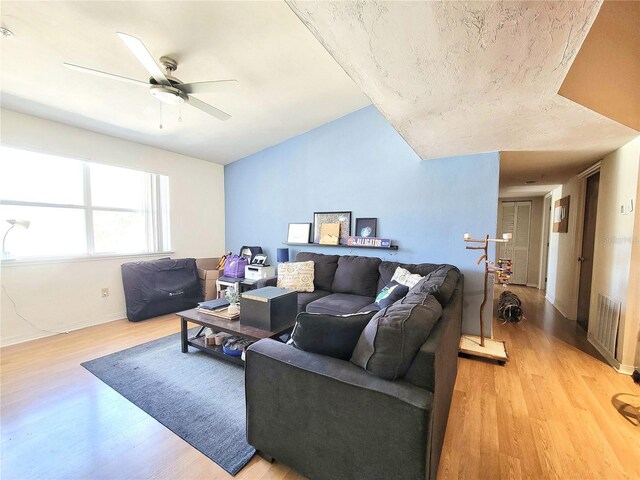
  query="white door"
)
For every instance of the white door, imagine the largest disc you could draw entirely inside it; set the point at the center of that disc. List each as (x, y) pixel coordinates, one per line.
(516, 219)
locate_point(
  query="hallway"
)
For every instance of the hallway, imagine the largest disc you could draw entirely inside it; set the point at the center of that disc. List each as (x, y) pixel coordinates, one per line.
(549, 413)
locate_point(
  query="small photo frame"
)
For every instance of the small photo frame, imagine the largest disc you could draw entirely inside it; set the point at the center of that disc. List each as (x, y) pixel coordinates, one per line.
(366, 227)
(343, 218)
(299, 233)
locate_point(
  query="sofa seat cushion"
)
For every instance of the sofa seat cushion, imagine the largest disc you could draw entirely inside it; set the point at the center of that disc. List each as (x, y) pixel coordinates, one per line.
(394, 335)
(372, 307)
(324, 268)
(331, 335)
(357, 276)
(305, 298)
(339, 304)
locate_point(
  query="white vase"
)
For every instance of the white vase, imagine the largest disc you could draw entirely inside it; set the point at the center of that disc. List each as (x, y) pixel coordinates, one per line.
(234, 308)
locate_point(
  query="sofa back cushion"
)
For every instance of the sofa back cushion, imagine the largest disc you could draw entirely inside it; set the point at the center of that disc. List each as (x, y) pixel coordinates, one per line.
(391, 340)
(387, 269)
(357, 276)
(324, 268)
(441, 283)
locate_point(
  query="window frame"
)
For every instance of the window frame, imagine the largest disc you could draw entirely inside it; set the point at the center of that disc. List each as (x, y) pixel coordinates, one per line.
(157, 229)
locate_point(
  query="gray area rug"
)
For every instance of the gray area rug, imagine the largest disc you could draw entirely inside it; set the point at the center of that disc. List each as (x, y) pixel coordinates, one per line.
(184, 392)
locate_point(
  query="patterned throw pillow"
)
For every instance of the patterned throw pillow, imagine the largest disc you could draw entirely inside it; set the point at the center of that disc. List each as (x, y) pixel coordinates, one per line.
(405, 277)
(296, 276)
(391, 293)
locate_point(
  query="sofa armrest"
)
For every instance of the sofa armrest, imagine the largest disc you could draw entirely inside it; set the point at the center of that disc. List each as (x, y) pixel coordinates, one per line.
(356, 425)
(267, 282)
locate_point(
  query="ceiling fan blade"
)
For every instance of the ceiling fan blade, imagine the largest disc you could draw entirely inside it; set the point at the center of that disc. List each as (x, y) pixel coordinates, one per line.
(144, 57)
(91, 71)
(204, 87)
(206, 108)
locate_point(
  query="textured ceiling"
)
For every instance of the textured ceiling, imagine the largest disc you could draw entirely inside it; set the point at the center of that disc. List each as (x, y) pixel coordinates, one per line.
(466, 77)
(288, 83)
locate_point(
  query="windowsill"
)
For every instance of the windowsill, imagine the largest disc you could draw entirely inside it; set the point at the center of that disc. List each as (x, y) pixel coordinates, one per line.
(80, 258)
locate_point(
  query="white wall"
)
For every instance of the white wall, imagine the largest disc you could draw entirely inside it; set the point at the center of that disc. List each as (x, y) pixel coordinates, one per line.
(562, 278)
(65, 295)
(612, 256)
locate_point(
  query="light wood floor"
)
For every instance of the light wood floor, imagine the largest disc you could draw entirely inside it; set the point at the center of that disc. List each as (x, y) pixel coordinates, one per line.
(549, 413)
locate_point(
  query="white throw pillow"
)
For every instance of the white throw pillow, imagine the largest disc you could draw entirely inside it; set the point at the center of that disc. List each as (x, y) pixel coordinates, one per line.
(405, 277)
(296, 276)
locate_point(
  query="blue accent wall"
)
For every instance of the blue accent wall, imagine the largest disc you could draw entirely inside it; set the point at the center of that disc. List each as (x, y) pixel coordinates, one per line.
(359, 163)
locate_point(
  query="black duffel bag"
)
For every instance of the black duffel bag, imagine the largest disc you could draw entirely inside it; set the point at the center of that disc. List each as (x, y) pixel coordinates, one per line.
(159, 287)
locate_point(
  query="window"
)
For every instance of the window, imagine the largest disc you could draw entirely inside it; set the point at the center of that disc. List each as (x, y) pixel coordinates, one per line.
(80, 208)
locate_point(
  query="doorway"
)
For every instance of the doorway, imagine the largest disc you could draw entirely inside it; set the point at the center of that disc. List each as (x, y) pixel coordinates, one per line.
(546, 232)
(516, 219)
(586, 252)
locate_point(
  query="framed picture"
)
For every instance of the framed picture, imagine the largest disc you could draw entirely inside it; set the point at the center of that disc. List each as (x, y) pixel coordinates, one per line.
(299, 233)
(343, 218)
(561, 215)
(366, 227)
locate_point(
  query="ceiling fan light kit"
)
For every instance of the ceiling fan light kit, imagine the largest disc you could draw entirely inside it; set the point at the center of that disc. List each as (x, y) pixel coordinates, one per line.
(165, 87)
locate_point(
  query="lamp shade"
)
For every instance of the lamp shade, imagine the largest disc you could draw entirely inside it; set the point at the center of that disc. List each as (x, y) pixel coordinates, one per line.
(283, 255)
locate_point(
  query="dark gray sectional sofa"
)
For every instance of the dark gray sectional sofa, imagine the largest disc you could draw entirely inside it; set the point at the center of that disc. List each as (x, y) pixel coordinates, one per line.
(329, 418)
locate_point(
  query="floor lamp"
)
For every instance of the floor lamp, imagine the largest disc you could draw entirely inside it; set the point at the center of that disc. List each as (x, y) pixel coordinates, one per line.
(480, 346)
(13, 222)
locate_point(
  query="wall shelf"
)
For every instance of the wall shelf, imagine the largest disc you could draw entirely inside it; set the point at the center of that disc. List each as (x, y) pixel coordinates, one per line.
(392, 247)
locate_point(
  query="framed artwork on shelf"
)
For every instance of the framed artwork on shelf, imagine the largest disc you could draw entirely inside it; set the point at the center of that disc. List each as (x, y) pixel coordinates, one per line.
(343, 218)
(299, 233)
(366, 227)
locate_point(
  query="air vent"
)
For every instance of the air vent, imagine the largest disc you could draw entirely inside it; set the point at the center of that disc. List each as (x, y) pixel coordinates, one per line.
(530, 182)
(608, 317)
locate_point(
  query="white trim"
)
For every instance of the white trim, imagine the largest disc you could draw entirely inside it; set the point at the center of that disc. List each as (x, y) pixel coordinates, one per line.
(534, 285)
(63, 330)
(587, 172)
(617, 366)
(83, 258)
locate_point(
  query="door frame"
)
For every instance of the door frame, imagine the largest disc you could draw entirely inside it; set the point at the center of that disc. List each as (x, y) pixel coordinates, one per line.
(582, 196)
(546, 239)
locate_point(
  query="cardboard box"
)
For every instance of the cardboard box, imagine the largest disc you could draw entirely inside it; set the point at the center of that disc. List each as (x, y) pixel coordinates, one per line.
(208, 275)
(268, 308)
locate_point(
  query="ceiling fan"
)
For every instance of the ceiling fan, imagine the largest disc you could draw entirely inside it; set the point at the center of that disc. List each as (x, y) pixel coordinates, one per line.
(164, 86)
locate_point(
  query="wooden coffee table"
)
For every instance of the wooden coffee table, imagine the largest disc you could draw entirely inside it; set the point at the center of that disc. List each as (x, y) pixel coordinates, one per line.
(219, 324)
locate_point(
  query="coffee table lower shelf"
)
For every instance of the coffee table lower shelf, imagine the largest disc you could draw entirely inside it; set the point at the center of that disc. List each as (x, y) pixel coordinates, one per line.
(233, 327)
(215, 350)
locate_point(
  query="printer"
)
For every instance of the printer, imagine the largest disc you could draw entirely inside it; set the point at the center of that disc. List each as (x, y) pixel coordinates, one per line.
(258, 268)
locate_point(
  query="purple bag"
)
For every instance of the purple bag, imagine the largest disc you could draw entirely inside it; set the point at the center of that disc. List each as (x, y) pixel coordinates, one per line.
(234, 266)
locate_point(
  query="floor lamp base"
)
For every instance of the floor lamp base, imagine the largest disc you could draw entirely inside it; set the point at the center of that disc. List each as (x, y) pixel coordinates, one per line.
(493, 349)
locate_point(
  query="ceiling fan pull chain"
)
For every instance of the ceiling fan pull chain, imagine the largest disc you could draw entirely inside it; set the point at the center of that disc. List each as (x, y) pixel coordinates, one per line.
(180, 112)
(160, 115)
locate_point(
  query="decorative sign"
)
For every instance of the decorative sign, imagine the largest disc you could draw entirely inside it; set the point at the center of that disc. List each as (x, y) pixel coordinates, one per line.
(368, 242)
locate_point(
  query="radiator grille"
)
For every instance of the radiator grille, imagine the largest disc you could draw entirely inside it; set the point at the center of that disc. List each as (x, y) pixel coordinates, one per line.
(608, 323)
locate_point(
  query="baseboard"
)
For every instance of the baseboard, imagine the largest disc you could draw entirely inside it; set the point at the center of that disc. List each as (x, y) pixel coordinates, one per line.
(534, 285)
(5, 342)
(617, 366)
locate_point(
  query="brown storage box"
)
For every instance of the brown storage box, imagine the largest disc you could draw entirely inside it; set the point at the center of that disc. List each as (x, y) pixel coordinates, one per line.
(208, 275)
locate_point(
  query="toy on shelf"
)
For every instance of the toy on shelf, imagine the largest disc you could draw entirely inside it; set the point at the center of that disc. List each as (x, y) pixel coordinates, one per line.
(503, 270)
(478, 345)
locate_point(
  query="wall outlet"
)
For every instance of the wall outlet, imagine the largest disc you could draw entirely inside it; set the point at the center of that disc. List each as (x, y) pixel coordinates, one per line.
(105, 292)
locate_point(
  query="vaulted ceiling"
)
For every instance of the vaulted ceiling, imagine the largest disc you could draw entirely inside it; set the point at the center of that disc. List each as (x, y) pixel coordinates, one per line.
(288, 83)
(453, 77)
(465, 77)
